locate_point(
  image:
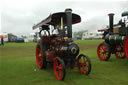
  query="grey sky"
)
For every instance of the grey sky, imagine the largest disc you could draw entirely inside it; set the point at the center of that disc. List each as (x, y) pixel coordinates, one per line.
(18, 16)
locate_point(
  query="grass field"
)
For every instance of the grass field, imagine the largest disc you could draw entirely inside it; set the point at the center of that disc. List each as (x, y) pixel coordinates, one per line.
(18, 67)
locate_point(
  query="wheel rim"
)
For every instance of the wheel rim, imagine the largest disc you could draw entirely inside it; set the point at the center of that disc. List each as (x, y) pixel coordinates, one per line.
(39, 56)
(126, 47)
(59, 69)
(118, 52)
(103, 51)
(84, 65)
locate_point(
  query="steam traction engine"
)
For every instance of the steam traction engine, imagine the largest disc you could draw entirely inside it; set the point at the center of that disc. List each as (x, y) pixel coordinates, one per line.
(116, 39)
(56, 44)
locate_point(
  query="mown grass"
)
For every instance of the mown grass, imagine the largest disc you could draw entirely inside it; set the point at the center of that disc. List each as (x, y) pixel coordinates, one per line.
(18, 67)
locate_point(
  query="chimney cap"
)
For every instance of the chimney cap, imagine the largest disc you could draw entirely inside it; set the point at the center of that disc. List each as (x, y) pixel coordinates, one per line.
(110, 14)
(68, 10)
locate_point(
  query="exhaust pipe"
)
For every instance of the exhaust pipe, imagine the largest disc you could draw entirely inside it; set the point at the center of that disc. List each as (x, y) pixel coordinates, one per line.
(111, 22)
(69, 22)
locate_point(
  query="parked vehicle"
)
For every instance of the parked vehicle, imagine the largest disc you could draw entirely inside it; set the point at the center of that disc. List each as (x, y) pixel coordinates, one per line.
(20, 40)
(58, 47)
(115, 39)
(91, 35)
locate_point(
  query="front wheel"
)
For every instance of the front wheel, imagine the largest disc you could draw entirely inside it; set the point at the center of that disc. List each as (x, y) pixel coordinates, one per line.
(59, 68)
(84, 64)
(103, 51)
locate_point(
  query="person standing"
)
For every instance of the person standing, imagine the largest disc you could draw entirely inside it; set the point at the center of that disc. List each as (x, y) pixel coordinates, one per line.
(2, 41)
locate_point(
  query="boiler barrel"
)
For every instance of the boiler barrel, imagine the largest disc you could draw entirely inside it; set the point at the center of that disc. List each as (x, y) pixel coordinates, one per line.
(115, 39)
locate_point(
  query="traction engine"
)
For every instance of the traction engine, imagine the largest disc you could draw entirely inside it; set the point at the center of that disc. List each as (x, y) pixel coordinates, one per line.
(57, 46)
(115, 39)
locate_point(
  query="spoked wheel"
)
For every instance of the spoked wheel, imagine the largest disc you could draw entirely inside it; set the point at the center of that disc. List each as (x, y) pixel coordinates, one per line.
(59, 68)
(126, 47)
(103, 51)
(84, 64)
(41, 63)
(119, 53)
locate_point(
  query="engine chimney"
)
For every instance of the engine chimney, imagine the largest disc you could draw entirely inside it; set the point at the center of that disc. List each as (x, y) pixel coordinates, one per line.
(69, 22)
(111, 22)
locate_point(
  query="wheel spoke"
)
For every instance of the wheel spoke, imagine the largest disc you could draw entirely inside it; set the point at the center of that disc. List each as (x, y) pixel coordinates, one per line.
(85, 70)
(83, 64)
(61, 73)
(86, 61)
(60, 67)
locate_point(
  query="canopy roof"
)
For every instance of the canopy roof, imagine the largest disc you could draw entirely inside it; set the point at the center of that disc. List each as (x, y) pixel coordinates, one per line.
(55, 19)
(125, 13)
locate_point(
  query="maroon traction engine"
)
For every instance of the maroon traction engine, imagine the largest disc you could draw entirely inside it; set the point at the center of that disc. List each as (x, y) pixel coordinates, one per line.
(56, 44)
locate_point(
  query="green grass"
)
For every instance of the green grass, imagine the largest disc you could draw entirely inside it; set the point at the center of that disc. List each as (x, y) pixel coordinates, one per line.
(18, 67)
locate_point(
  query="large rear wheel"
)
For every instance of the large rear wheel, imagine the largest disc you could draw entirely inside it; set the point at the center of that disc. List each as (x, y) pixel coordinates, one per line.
(59, 68)
(126, 47)
(41, 62)
(103, 51)
(84, 64)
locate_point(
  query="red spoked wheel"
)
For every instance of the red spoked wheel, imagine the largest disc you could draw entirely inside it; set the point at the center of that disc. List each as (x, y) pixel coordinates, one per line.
(59, 68)
(84, 64)
(126, 47)
(119, 53)
(41, 63)
(103, 51)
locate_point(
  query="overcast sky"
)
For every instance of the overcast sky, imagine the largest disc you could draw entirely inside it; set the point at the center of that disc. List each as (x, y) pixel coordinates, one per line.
(18, 16)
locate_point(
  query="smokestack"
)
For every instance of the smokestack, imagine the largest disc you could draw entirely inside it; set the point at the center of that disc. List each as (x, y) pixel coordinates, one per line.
(111, 22)
(69, 22)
